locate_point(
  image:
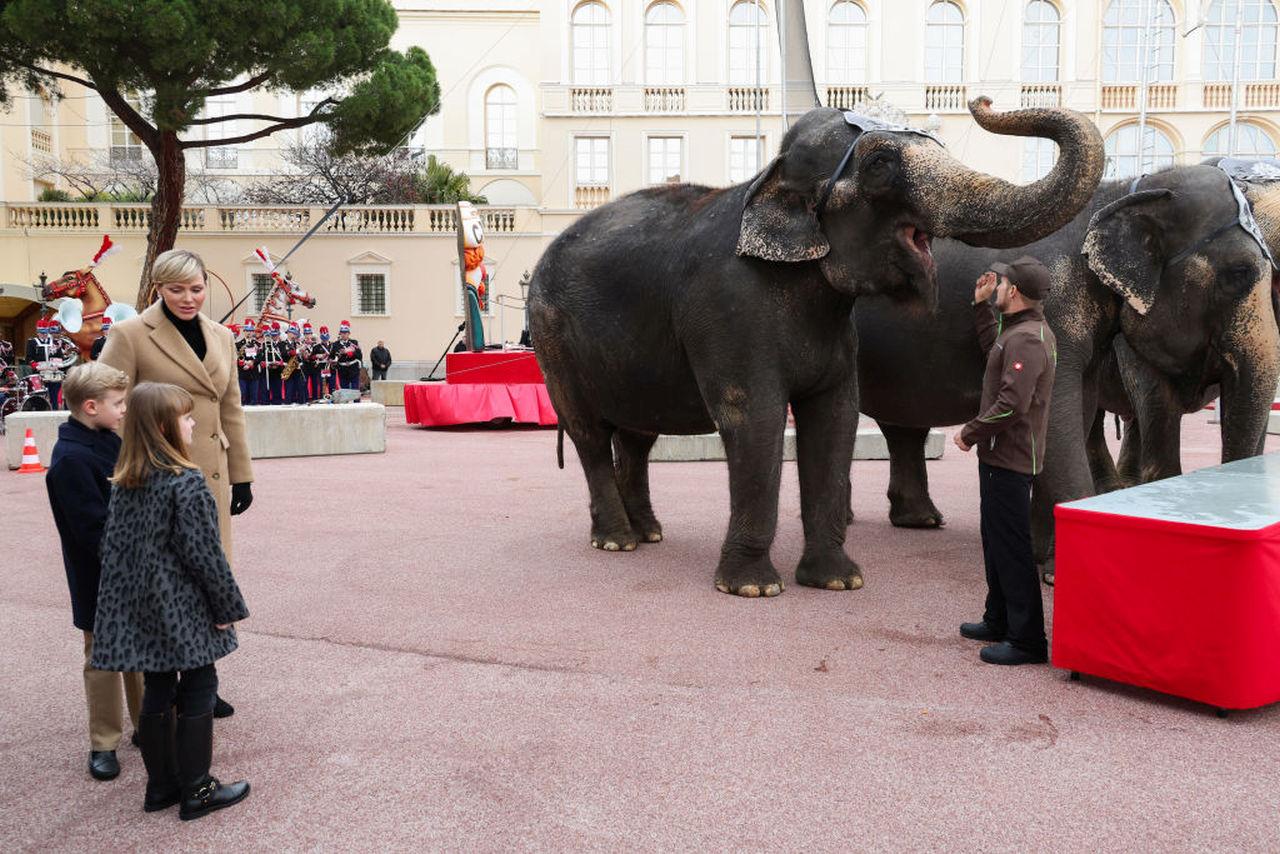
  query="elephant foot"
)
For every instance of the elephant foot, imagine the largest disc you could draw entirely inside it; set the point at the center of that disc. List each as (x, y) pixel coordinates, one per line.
(649, 530)
(833, 570)
(915, 514)
(615, 541)
(750, 578)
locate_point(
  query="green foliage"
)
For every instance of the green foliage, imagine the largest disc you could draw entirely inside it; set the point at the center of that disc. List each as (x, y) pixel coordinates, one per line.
(53, 194)
(440, 185)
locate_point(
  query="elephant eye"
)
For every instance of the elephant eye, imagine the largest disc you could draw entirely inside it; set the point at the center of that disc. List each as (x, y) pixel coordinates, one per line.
(1238, 279)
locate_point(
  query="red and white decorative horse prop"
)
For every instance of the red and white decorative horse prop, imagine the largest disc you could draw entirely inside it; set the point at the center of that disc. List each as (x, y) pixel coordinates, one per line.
(87, 302)
(284, 293)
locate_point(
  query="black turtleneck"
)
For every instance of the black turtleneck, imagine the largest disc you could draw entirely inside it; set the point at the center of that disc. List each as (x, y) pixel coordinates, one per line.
(190, 330)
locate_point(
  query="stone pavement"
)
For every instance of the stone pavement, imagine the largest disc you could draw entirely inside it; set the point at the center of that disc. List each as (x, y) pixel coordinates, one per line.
(438, 661)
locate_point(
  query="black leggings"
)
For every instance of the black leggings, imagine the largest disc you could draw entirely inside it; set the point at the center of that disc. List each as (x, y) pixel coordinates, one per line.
(194, 693)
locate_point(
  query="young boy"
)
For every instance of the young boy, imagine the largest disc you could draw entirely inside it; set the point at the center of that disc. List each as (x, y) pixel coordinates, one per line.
(82, 460)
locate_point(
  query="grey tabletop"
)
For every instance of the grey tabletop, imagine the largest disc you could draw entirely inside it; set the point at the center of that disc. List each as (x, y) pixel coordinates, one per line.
(1243, 495)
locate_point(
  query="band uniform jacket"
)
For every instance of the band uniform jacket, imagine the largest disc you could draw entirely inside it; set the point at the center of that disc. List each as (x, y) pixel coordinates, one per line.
(348, 366)
(166, 585)
(1013, 417)
(148, 348)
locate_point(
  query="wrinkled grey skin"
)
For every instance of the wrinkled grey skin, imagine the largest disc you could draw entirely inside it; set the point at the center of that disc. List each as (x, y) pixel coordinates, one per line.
(1152, 403)
(1203, 320)
(684, 309)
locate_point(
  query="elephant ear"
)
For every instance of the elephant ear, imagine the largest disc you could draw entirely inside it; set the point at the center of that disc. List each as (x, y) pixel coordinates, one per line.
(1124, 250)
(779, 221)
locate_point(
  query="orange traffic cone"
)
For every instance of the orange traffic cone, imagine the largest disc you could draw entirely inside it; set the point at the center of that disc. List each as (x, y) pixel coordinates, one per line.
(30, 456)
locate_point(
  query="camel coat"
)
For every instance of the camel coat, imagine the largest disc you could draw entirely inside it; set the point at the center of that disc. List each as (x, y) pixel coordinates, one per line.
(149, 348)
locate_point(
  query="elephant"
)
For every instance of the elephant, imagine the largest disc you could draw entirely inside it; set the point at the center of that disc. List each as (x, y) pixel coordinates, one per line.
(1157, 270)
(684, 309)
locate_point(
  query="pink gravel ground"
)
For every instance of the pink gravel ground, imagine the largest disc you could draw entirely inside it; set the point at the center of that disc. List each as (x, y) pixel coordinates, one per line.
(438, 661)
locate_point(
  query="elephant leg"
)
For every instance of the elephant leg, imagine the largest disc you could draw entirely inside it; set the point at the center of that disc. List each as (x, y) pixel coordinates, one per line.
(909, 503)
(1101, 466)
(631, 463)
(1129, 466)
(610, 528)
(826, 428)
(753, 448)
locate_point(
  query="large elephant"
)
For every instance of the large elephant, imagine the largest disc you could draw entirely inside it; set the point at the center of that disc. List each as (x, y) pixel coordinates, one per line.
(683, 309)
(1161, 264)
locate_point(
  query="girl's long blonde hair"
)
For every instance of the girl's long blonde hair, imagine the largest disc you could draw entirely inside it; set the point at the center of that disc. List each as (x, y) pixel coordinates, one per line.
(152, 435)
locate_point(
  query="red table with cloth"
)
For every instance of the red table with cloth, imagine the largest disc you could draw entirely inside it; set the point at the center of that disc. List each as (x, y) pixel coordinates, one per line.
(1175, 585)
(480, 387)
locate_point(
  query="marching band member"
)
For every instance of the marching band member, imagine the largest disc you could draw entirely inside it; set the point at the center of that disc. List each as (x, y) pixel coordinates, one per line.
(249, 364)
(310, 367)
(101, 340)
(273, 363)
(40, 351)
(294, 384)
(324, 356)
(348, 356)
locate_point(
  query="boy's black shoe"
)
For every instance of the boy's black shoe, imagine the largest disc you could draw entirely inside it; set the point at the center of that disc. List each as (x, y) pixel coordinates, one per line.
(980, 631)
(1007, 653)
(103, 764)
(223, 709)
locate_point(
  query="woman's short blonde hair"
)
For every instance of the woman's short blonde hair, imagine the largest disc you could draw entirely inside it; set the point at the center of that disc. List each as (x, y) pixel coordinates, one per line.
(152, 437)
(176, 265)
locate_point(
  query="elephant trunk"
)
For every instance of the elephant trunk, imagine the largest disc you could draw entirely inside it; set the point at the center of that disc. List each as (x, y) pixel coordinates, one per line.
(1250, 349)
(982, 210)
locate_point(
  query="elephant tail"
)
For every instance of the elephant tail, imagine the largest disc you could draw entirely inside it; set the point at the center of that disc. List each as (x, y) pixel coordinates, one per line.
(560, 445)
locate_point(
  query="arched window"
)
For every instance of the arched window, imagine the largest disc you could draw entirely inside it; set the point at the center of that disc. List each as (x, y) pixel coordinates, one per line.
(1251, 141)
(1129, 42)
(590, 34)
(1257, 40)
(846, 43)
(664, 45)
(1125, 160)
(944, 44)
(1040, 43)
(501, 147)
(748, 43)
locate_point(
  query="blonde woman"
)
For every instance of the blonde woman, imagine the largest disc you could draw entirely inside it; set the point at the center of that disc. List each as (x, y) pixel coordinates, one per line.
(172, 342)
(167, 600)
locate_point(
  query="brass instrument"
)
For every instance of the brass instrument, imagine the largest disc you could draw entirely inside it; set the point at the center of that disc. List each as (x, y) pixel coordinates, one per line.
(290, 366)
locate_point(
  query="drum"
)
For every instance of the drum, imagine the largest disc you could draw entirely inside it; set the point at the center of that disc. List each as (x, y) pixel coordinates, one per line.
(9, 407)
(36, 403)
(34, 385)
(52, 375)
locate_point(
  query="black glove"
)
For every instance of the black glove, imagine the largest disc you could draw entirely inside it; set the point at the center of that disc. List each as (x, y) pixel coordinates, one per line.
(241, 498)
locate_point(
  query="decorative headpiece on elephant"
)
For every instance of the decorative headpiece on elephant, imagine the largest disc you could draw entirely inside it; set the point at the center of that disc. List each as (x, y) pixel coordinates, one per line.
(687, 309)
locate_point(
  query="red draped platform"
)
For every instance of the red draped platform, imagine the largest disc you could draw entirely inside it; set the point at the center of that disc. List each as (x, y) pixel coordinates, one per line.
(1175, 585)
(482, 387)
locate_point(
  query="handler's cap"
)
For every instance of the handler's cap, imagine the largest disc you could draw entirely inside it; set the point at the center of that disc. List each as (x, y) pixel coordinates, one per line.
(1027, 274)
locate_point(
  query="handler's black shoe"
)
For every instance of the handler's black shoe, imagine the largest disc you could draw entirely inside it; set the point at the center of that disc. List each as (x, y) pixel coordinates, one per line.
(223, 709)
(1006, 653)
(103, 764)
(980, 631)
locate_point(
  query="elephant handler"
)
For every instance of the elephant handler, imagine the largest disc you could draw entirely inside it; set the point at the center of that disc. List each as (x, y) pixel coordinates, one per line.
(1009, 434)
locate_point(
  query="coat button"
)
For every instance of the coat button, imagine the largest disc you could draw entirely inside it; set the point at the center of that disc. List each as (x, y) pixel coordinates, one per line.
(213, 435)
(214, 398)
(215, 475)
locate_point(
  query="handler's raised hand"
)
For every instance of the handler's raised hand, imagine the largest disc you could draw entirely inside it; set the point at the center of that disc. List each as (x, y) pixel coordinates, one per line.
(960, 442)
(986, 285)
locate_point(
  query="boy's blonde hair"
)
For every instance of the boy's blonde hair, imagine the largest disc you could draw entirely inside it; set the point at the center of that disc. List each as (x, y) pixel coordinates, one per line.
(176, 265)
(91, 381)
(152, 435)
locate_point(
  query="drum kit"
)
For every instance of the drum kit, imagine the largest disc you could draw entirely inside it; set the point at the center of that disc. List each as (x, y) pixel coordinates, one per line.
(28, 393)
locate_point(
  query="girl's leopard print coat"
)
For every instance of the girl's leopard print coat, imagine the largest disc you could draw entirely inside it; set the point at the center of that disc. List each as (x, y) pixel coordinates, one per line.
(165, 581)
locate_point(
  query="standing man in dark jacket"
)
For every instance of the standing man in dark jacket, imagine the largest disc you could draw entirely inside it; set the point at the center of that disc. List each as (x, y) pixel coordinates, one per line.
(1009, 434)
(379, 361)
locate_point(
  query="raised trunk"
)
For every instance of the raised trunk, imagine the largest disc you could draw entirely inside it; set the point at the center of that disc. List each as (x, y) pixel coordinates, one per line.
(166, 208)
(992, 212)
(1250, 349)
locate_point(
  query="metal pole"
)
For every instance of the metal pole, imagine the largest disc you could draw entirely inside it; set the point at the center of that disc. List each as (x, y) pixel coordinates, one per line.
(1232, 141)
(1144, 47)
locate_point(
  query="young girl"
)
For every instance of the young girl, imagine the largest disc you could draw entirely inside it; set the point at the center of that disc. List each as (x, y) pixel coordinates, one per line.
(167, 600)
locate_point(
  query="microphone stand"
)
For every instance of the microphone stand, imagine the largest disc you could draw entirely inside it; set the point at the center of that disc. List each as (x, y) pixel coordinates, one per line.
(447, 348)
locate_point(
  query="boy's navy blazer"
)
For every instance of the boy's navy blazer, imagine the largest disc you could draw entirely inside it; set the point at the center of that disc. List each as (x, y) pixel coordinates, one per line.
(81, 462)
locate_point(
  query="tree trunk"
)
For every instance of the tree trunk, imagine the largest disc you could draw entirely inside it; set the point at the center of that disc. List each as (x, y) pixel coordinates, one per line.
(166, 208)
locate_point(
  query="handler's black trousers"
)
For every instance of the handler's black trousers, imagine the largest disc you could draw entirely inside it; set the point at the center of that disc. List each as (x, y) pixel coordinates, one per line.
(1013, 587)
